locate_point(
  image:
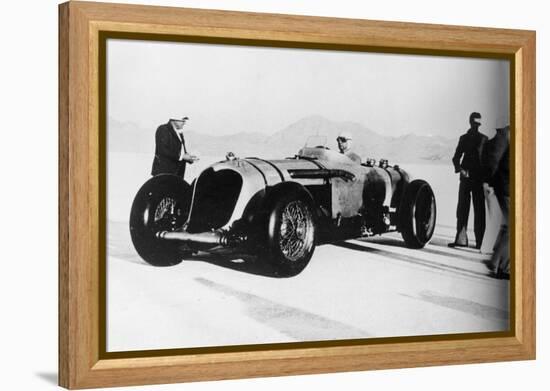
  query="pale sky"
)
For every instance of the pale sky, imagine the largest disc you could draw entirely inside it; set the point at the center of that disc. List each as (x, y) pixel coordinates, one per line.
(226, 89)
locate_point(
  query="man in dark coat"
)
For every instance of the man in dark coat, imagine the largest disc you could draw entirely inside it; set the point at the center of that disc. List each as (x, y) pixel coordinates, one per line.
(496, 164)
(170, 153)
(467, 162)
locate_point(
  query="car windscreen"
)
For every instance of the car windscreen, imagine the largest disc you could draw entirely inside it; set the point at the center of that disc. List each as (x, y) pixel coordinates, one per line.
(316, 141)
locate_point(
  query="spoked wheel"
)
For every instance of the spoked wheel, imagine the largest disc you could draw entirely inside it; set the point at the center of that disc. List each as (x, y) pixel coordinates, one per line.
(291, 235)
(417, 214)
(162, 204)
(296, 231)
(169, 215)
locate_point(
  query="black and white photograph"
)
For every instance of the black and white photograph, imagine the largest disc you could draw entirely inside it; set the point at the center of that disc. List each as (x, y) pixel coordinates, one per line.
(266, 195)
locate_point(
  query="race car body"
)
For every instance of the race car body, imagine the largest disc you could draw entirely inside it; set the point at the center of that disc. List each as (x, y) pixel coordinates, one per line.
(279, 209)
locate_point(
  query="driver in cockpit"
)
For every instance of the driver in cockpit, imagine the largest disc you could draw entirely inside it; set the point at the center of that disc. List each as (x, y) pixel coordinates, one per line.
(344, 141)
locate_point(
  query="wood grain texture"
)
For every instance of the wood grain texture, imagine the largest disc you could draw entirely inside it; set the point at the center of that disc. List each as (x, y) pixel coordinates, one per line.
(63, 178)
(80, 24)
(527, 219)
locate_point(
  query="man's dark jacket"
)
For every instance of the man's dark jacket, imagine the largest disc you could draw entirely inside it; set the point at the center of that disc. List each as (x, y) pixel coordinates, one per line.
(496, 163)
(168, 147)
(469, 152)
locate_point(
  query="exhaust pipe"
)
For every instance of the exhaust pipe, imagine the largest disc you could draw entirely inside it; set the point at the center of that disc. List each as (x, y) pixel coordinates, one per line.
(214, 238)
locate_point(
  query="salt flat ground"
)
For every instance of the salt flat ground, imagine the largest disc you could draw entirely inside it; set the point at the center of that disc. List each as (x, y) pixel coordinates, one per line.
(354, 289)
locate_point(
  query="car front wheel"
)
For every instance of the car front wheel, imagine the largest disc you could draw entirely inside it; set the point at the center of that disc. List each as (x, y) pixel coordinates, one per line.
(162, 204)
(290, 234)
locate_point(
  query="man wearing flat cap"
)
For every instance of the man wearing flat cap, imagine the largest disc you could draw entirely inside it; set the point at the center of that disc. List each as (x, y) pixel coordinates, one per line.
(344, 141)
(467, 163)
(170, 153)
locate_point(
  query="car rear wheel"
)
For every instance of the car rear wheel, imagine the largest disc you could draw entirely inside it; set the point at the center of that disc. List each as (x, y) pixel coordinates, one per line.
(161, 204)
(417, 214)
(290, 234)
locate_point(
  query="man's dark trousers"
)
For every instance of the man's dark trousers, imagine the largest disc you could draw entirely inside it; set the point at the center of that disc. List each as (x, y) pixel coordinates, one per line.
(501, 255)
(470, 189)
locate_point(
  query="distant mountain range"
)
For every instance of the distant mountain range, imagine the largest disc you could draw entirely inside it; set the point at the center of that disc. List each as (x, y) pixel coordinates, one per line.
(410, 148)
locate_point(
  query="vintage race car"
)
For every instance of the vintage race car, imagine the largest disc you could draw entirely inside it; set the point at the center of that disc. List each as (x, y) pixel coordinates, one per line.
(279, 210)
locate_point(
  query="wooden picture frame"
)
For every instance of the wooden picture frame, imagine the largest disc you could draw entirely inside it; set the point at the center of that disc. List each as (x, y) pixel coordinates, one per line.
(83, 362)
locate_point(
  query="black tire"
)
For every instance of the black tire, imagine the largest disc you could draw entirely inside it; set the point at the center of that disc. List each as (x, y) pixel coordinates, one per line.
(417, 214)
(290, 216)
(161, 204)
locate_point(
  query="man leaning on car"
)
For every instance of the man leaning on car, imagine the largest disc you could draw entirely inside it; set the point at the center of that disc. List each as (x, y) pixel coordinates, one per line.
(170, 153)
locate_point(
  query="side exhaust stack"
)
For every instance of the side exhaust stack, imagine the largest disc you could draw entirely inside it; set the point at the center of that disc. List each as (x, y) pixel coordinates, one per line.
(215, 238)
(210, 238)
